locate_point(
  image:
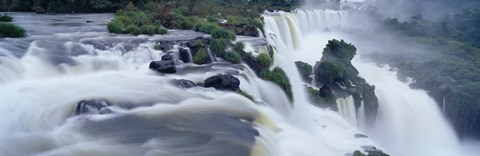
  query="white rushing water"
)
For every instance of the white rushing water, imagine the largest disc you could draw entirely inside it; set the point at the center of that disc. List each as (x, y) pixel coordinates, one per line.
(50, 74)
(41, 85)
(409, 121)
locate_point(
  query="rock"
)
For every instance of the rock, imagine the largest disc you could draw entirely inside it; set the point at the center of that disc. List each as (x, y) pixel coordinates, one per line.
(185, 55)
(243, 30)
(166, 45)
(373, 151)
(167, 57)
(89, 21)
(249, 30)
(182, 83)
(166, 65)
(223, 82)
(360, 136)
(96, 106)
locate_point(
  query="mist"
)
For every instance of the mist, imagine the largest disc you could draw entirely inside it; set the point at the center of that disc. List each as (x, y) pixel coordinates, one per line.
(404, 9)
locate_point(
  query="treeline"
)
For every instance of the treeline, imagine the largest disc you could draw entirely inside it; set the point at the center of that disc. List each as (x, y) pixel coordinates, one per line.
(463, 27)
(451, 72)
(85, 6)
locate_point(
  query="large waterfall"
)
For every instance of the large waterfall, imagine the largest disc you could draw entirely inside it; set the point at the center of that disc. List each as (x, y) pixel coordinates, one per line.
(46, 76)
(409, 122)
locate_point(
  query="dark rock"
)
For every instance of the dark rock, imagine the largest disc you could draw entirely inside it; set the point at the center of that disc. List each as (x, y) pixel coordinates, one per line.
(249, 30)
(373, 151)
(166, 65)
(166, 45)
(360, 136)
(185, 83)
(244, 30)
(167, 57)
(88, 21)
(185, 55)
(223, 82)
(96, 106)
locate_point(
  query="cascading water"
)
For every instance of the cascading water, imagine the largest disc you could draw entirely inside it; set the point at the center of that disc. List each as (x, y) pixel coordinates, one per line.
(409, 121)
(46, 76)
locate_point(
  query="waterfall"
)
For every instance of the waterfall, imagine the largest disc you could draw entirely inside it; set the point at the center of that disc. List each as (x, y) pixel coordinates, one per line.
(346, 108)
(51, 74)
(409, 121)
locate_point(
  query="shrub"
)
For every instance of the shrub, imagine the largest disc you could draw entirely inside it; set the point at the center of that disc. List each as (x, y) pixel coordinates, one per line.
(278, 76)
(327, 94)
(125, 20)
(11, 30)
(340, 50)
(132, 28)
(184, 23)
(233, 57)
(259, 24)
(201, 57)
(223, 33)
(329, 72)
(205, 27)
(237, 20)
(271, 52)
(305, 70)
(115, 26)
(218, 46)
(212, 19)
(148, 29)
(162, 31)
(315, 97)
(137, 17)
(6, 18)
(264, 60)
(239, 46)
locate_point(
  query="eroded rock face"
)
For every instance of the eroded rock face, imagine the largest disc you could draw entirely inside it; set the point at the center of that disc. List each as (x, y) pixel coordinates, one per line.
(95, 106)
(223, 82)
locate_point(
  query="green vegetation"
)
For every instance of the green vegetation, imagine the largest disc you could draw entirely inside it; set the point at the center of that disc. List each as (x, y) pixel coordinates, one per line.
(305, 70)
(450, 69)
(358, 153)
(271, 52)
(329, 72)
(11, 30)
(327, 94)
(6, 18)
(336, 71)
(264, 60)
(239, 46)
(318, 100)
(201, 57)
(132, 20)
(245, 94)
(278, 76)
(218, 46)
(339, 51)
(233, 57)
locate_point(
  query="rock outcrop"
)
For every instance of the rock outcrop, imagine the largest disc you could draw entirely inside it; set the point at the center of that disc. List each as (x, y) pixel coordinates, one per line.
(223, 82)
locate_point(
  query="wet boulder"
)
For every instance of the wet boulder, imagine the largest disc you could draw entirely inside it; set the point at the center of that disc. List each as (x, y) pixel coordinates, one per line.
(166, 65)
(95, 106)
(185, 55)
(223, 82)
(182, 83)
